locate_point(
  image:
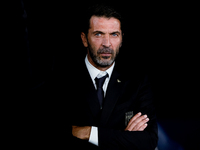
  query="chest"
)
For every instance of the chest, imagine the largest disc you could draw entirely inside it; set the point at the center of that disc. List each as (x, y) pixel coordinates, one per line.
(120, 99)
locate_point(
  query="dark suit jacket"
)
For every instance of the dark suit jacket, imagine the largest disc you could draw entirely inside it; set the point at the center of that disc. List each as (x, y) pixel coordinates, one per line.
(125, 93)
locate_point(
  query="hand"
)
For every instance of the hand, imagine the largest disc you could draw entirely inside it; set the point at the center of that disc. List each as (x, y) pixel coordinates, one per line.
(137, 123)
(81, 132)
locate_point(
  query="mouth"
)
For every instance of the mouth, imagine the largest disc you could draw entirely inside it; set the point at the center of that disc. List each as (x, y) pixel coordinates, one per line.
(105, 54)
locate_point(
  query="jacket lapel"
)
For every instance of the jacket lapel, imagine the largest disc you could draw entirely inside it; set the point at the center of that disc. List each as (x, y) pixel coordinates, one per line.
(113, 91)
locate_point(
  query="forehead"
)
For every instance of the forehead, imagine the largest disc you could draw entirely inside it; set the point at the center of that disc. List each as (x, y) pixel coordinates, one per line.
(103, 23)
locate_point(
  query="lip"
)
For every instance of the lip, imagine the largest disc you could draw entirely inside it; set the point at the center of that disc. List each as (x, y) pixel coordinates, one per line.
(105, 54)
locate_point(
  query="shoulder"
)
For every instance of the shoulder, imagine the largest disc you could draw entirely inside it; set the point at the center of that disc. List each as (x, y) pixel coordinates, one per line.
(131, 73)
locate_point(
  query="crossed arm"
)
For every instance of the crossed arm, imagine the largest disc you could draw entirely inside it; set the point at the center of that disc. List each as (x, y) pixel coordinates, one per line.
(118, 139)
(137, 123)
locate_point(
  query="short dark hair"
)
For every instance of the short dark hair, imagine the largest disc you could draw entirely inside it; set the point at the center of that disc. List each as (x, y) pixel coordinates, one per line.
(100, 10)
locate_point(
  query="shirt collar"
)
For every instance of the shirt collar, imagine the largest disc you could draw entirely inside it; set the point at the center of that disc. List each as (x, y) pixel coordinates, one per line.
(93, 71)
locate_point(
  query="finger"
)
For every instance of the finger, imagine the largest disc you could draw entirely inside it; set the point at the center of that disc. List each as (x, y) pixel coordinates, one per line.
(140, 124)
(138, 120)
(134, 118)
(142, 127)
(137, 123)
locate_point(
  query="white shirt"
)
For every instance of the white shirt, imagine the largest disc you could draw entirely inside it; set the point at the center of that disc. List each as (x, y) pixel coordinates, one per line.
(94, 72)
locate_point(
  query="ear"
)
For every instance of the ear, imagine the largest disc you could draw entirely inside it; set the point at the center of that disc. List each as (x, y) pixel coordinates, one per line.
(84, 39)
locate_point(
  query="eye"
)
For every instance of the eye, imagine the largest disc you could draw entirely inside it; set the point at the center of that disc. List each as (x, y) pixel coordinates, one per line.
(98, 34)
(114, 34)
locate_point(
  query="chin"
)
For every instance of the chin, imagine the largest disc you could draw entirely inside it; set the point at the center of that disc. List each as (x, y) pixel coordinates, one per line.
(105, 63)
(106, 57)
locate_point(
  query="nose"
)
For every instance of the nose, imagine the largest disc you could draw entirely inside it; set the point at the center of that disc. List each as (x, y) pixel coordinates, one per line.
(106, 41)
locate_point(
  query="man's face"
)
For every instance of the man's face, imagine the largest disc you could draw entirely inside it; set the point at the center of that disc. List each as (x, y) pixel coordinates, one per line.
(103, 41)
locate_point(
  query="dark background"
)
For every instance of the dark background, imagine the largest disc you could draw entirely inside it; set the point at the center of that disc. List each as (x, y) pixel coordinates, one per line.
(159, 38)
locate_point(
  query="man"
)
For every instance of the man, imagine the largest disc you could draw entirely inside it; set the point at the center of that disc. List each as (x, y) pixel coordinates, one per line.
(110, 109)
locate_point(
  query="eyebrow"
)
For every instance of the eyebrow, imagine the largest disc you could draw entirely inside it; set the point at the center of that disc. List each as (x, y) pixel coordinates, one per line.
(104, 33)
(97, 32)
(116, 32)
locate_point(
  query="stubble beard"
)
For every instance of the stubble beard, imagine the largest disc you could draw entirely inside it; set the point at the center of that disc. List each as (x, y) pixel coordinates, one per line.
(103, 61)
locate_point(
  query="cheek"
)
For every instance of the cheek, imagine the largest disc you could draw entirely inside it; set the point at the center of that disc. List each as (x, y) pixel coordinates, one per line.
(116, 43)
(95, 43)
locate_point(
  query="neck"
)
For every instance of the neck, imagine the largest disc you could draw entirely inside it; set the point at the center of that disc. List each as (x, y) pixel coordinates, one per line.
(97, 66)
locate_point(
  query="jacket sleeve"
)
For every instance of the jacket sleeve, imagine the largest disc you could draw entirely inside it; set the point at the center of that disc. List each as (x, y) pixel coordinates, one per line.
(127, 140)
(110, 139)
